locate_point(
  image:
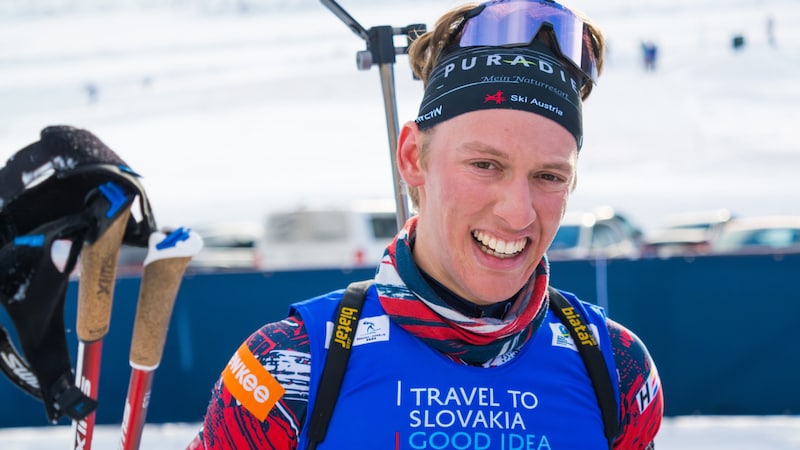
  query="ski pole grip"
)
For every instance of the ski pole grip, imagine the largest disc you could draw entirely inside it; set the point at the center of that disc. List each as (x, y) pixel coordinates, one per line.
(166, 261)
(159, 288)
(98, 272)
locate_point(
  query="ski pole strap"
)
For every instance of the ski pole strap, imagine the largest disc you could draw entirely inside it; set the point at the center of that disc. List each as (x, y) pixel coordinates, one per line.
(15, 367)
(347, 315)
(593, 359)
(65, 398)
(67, 186)
(59, 175)
(32, 290)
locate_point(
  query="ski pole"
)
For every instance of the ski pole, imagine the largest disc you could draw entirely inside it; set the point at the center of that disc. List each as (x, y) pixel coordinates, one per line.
(164, 266)
(98, 273)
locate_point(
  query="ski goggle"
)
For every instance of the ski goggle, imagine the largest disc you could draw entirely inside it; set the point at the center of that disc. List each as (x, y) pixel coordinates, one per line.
(514, 23)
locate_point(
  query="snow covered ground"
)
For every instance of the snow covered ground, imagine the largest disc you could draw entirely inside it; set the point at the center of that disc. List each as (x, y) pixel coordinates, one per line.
(228, 113)
(677, 433)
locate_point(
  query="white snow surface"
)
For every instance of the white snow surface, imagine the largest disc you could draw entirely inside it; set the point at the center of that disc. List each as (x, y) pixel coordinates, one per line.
(677, 433)
(231, 108)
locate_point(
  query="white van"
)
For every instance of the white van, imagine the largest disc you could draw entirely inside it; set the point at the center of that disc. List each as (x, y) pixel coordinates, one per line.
(327, 237)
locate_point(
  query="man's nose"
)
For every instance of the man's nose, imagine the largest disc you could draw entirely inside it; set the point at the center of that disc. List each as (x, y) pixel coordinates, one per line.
(515, 203)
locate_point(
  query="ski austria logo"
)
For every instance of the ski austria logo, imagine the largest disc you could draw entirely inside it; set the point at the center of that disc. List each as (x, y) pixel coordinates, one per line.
(497, 98)
(369, 330)
(251, 384)
(561, 337)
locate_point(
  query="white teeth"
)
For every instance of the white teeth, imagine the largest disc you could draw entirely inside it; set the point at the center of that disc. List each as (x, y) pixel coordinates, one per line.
(498, 247)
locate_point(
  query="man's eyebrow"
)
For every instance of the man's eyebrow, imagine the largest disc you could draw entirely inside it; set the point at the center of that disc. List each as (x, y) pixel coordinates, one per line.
(559, 165)
(483, 149)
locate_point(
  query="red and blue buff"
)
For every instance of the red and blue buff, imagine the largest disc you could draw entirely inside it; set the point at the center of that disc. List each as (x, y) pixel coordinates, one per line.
(414, 306)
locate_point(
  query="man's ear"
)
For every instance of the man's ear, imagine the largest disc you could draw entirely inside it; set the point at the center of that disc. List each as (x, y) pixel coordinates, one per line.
(408, 155)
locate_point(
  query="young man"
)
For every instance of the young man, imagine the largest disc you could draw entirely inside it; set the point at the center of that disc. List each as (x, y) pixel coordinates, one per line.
(460, 343)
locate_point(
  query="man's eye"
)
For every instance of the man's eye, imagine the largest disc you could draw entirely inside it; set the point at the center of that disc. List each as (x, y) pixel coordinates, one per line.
(483, 165)
(550, 177)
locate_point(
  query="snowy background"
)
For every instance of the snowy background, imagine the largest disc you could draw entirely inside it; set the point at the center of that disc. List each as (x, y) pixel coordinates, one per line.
(229, 108)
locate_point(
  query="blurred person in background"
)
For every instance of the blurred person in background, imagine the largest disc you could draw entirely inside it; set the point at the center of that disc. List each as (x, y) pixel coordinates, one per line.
(462, 343)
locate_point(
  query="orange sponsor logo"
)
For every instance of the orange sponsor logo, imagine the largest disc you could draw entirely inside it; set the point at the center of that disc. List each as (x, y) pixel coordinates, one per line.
(250, 383)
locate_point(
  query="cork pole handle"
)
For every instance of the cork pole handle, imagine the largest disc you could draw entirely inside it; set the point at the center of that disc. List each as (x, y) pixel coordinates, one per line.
(166, 262)
(98, 272)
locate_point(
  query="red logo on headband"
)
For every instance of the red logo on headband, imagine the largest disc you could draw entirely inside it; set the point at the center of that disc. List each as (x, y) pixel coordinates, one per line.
(497, 97)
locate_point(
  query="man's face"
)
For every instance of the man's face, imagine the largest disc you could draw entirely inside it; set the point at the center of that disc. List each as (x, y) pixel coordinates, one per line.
(493, 188)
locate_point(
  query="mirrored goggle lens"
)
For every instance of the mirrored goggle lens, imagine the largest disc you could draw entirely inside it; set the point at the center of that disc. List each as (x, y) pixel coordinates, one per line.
(516, 22)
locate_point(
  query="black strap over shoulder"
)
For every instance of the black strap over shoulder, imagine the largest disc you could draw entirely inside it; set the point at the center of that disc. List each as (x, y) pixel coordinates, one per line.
(593, 359)
(346, 322)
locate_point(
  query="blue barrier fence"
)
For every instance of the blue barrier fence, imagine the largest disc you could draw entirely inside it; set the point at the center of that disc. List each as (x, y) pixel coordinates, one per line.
(722, 330)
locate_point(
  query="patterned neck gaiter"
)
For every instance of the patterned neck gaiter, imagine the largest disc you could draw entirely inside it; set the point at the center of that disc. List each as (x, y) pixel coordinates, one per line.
(413, 305)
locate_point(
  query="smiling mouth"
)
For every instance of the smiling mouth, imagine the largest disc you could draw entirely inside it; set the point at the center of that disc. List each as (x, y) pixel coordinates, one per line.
(499, 248)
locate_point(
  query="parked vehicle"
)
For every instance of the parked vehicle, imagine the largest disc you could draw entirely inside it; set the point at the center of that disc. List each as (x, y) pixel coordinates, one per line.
(759, 234)
(326, 237)
(687, 233)
(228, 245)
(601, 232)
